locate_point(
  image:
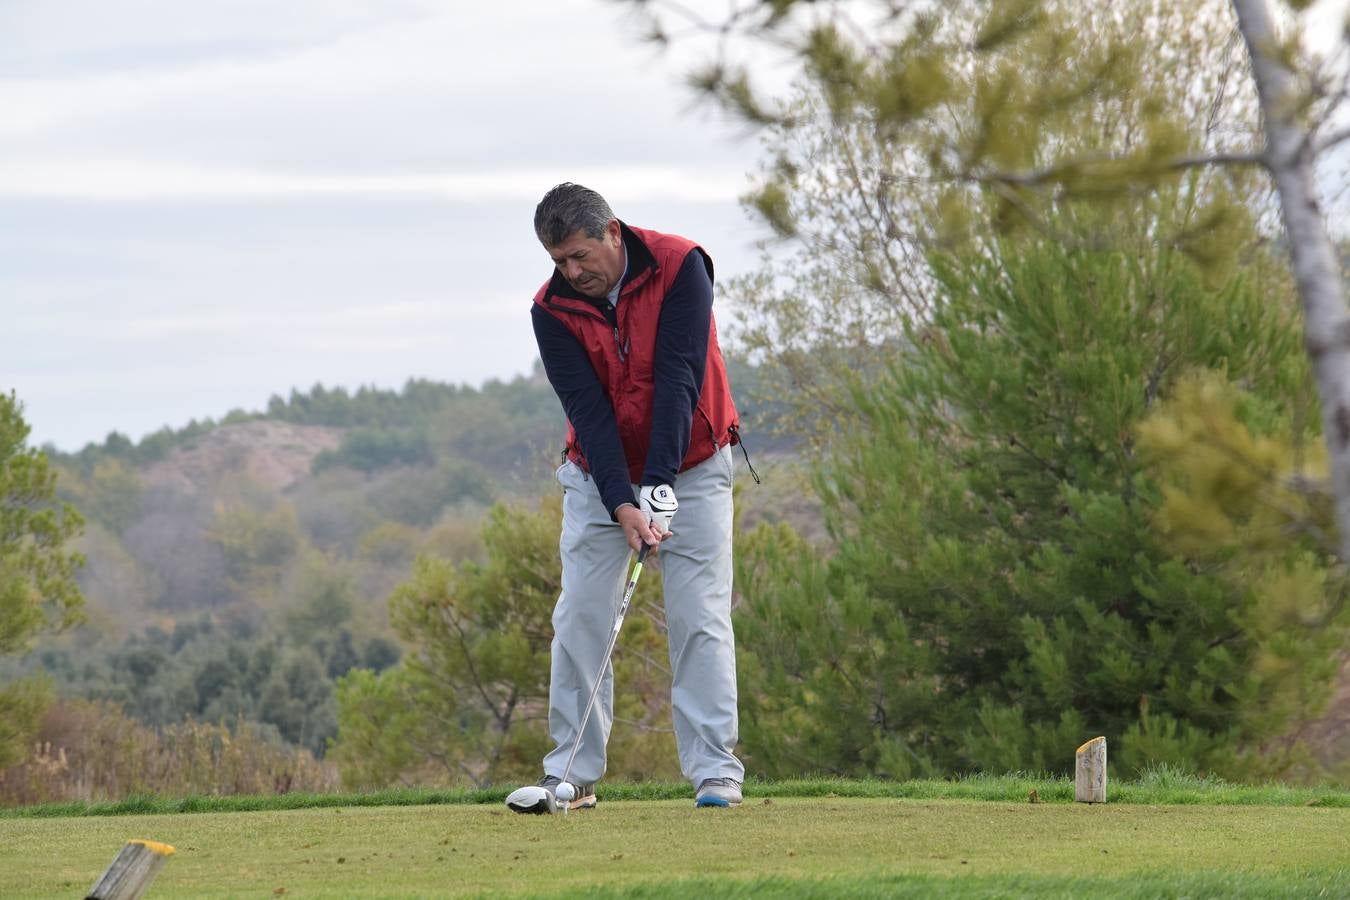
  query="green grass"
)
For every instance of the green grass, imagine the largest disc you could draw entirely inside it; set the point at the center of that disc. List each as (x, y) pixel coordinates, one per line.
(1161, 786)
(1143, 886)
(784, 846)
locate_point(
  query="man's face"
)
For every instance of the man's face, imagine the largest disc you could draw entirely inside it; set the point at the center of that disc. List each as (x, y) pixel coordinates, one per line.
(591, 265)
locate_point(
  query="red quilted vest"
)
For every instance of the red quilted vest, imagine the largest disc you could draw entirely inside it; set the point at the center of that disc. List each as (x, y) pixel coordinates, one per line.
(624, 362)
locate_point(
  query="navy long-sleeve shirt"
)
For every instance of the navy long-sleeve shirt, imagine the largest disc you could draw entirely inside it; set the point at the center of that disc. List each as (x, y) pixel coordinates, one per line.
(681, 360)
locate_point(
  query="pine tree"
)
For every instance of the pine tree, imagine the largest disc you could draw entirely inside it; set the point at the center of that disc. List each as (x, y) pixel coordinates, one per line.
(38, 591)
(998, 590)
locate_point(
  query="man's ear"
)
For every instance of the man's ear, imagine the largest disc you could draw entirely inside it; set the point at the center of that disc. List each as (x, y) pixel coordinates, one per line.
(615, 233)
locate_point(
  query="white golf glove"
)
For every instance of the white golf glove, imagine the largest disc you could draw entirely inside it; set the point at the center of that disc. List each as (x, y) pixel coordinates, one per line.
(659, 503)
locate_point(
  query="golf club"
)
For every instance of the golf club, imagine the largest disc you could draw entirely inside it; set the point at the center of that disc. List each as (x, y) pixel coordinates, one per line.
(566, 787)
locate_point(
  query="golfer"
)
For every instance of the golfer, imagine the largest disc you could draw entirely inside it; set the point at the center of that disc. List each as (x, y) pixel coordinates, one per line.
(626, 333)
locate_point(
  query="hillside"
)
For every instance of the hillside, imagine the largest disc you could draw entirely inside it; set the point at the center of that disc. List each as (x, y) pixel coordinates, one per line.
(237, 570)
(275, 455)
(223, 518)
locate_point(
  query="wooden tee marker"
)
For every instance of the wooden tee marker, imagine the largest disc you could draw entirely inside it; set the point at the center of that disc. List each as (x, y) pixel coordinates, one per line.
(1089, 782)
(131, 871)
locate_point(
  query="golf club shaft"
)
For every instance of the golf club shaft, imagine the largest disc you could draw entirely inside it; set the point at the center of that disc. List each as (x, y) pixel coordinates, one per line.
(609, 650)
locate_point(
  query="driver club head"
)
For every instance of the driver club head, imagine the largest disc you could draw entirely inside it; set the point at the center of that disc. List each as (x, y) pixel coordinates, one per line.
(533, 800)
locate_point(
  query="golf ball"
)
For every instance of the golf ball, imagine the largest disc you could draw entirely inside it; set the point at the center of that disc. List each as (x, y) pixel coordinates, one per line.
(566, 793)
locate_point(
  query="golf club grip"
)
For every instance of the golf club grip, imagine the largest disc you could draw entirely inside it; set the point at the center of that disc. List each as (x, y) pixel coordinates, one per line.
(643, 551)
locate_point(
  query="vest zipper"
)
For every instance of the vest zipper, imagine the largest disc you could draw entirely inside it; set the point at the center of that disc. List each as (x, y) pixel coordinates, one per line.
(612, 314)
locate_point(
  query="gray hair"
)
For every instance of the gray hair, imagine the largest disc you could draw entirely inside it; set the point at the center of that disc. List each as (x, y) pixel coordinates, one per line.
(569, 208)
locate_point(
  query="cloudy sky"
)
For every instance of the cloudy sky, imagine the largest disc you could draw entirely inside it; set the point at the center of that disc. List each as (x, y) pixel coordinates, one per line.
(205, 204)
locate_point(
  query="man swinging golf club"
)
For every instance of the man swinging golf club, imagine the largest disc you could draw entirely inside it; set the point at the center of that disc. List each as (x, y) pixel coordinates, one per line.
(626, 333)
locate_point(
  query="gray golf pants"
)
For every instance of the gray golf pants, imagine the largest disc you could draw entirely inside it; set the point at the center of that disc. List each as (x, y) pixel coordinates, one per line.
(696, 570)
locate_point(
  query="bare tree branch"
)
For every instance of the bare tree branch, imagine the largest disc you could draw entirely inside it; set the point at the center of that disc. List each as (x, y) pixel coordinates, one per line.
(1332, 140)
(1214, 159)
(642, 726)
(1221, 89)
(648, 659)
(1062, 170)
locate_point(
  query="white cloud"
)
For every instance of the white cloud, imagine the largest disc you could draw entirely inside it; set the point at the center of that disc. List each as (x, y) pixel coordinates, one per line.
(552, 73)
(137, 180)
(1325, 23)
(56, 30)
(351, 99)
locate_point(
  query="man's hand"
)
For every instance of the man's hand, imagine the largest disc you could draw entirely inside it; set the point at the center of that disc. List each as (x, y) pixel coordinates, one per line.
(659, 503)
(637, 527)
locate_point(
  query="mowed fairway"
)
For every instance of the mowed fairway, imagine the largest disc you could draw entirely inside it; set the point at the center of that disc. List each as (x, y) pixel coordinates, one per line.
(863, 846)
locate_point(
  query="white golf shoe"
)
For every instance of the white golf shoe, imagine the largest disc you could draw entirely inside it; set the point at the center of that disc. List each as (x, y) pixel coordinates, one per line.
(542, 798)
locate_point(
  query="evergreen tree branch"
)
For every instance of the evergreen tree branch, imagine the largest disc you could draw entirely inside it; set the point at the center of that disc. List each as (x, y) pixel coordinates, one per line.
(1046, 464)
(453, 622)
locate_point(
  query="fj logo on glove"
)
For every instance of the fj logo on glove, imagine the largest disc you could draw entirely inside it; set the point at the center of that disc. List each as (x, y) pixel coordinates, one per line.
(659, 503)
